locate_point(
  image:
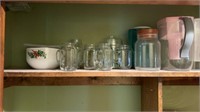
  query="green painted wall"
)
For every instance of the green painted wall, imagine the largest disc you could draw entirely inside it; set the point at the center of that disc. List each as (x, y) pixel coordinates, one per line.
(57, 23)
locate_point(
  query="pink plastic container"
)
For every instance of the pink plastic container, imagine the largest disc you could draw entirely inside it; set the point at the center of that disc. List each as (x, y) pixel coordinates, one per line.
(176, 36)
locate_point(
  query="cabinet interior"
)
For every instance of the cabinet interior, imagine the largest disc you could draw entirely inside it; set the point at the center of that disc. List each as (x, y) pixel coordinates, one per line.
(47, 23)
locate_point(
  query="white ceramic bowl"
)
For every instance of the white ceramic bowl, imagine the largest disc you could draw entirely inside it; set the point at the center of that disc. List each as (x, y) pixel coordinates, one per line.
(42, 57)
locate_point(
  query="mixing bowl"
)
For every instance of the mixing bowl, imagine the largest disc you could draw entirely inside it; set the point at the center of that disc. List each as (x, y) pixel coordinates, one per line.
(42, 57)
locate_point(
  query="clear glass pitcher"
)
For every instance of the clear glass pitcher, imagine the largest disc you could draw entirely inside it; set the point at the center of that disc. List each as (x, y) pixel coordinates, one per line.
(67, 57)
(176, 36)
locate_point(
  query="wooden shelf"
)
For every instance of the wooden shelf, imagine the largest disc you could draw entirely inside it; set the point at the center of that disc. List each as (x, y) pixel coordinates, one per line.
(94, 77)
(96, 73)
(156, 2)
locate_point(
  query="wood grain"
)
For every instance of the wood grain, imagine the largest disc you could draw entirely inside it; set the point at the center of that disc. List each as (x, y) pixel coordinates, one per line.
(63, 81)
(181, 81)
(2, 38)
(94, 77)
(96, 73)
(152, 94)
(155, 2)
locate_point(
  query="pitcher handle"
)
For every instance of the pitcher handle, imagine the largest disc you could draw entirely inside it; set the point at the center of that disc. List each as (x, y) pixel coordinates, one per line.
(188, 37)
(59, 53)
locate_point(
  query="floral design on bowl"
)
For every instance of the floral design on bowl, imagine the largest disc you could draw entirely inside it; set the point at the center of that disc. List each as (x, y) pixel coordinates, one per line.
(37, 53)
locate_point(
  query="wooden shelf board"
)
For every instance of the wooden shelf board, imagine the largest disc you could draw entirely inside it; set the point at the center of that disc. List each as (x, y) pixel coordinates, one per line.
(156, 2)
(94, 77)
(63, 81)
(96, 73)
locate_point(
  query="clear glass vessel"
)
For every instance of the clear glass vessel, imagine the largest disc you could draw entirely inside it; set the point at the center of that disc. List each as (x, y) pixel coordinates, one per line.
(196, 45)
(125, 57)
(67, 57)
(78, 44)
(90, 57)
(104, 57)
(147, 50)
(115, 44)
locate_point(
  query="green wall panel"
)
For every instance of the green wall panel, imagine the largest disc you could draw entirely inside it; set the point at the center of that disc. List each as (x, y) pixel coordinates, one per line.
(73, 98)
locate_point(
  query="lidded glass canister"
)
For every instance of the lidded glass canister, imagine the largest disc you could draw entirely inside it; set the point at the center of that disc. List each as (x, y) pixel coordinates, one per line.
(90, 57)
(147, 50)
(114, 44)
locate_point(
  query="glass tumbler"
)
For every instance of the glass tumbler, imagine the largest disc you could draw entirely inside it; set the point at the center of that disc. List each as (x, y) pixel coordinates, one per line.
(104, 57)
(90, 57)
(67, 57)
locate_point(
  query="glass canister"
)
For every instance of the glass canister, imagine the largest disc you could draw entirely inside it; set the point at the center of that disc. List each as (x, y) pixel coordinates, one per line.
(114, 44)
(147, 50)
(196, 45)
(90, 57)
(132, 38)
(67, 57)
(125, 57)
(104, 57)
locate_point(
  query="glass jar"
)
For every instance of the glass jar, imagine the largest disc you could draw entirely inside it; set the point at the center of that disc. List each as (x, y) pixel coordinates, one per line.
(67, 57)
(147, 50)
(114, 44)
(125, 57)
(90, 57)
(196, 45)
(78, 44)
(104, 57)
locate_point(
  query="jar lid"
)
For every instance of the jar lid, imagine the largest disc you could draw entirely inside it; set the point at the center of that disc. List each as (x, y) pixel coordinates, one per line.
(147, 33)
(113, 41)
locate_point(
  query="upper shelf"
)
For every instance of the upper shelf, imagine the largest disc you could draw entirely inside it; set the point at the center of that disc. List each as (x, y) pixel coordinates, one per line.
(96, 73)
(156, 2)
